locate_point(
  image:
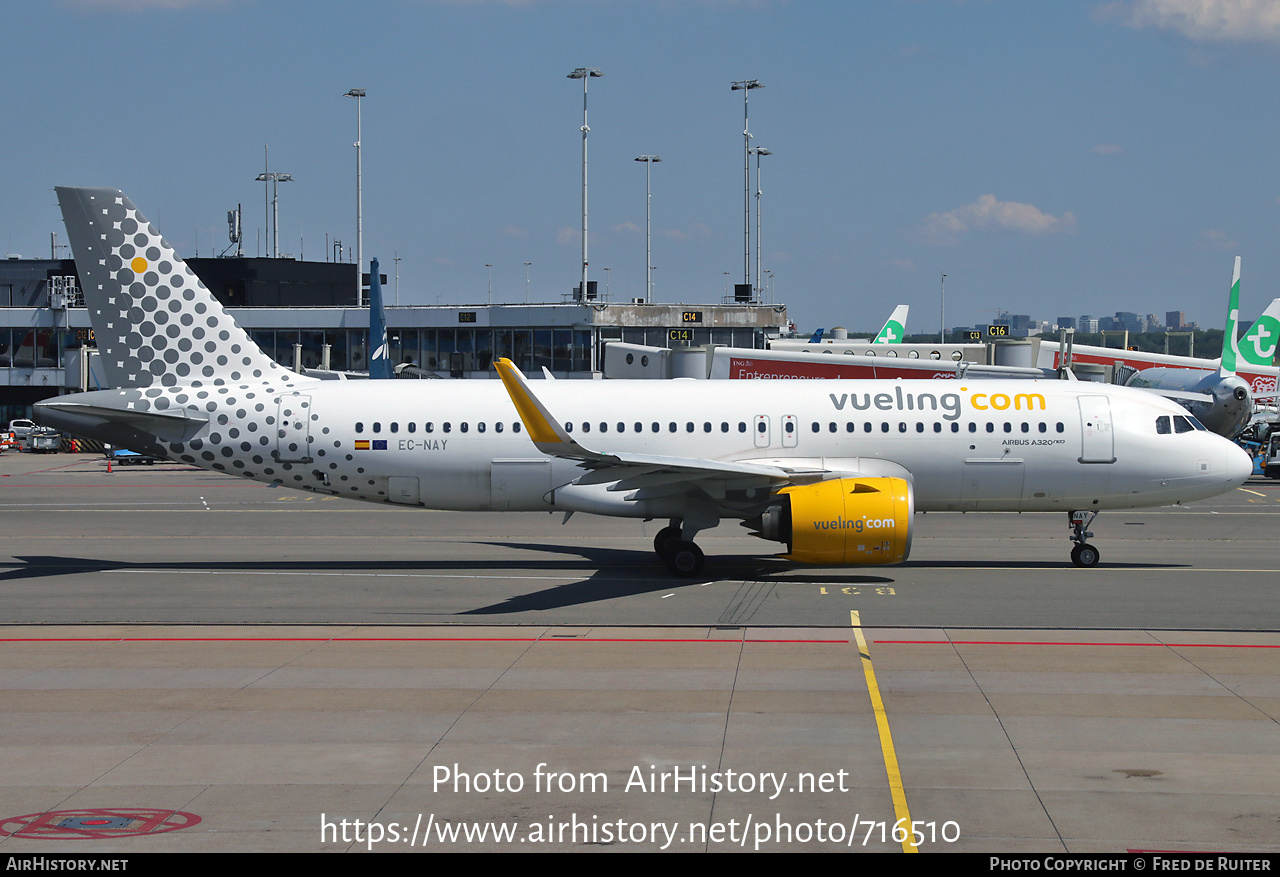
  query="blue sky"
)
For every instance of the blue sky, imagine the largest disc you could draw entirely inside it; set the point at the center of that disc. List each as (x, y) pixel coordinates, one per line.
(1051, 157)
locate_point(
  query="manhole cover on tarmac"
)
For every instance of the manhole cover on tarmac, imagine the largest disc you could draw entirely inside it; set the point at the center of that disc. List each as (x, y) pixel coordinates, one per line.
(96, 824)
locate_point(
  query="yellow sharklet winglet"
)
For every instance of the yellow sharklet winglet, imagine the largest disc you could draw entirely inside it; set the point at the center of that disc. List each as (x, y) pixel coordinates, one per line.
(542, 427)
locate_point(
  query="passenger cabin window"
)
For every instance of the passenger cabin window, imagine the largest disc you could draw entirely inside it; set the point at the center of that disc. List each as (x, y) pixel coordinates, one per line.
(359, 428)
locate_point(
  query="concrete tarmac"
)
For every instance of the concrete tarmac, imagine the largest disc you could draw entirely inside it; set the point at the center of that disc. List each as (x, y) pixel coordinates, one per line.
(190, 662)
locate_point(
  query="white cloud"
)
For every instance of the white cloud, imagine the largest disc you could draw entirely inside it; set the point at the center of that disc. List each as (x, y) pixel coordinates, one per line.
(987, 214)
(515, 231)
(1219, 20)
(692, 231)
(1217, 240)
(627, 226)
(567, 235)
(1107, 149)
(902, 264)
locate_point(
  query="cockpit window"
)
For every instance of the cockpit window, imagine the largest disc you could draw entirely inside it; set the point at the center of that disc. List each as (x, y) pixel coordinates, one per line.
(1162, 426)
(1182, 424)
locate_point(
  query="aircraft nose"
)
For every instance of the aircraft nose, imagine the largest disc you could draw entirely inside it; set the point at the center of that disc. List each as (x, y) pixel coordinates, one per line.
(1239, 466)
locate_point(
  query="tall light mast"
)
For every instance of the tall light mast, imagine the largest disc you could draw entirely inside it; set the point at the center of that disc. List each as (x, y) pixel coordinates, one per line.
(585, 74)
(358, 94)
(745, 86)
(648, 237)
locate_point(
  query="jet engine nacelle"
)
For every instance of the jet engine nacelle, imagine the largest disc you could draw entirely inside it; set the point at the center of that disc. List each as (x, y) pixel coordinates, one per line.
(843, 521)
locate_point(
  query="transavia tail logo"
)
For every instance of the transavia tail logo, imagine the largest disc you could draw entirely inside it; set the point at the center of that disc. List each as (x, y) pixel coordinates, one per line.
(857, 525)
(891, 333)
(1231, 347)
(1258, 347)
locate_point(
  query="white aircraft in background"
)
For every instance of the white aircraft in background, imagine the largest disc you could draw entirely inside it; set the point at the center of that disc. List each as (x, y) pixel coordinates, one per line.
(1219, 397)
(1251, 358)
(833, 469)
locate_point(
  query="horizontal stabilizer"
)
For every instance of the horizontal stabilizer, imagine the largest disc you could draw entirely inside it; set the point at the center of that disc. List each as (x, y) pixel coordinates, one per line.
(171, 426)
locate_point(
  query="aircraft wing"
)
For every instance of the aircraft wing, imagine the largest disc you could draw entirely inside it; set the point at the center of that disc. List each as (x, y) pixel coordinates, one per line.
(635, 471)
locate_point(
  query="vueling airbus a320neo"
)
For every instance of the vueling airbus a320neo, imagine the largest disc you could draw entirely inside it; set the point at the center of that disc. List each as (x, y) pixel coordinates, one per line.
(835, 470)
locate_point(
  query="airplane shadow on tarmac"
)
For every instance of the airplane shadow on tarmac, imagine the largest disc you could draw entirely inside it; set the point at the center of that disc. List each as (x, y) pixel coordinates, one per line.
(606, 573)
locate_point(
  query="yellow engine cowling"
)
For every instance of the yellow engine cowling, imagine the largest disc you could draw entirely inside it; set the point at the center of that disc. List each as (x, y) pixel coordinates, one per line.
(848, 521)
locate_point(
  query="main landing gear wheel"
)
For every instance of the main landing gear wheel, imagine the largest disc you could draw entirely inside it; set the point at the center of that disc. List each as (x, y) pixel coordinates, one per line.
(1084, 555)
(665, 535)
(683, 559)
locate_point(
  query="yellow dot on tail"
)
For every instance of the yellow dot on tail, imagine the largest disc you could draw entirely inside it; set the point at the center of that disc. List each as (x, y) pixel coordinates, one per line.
(138, 265)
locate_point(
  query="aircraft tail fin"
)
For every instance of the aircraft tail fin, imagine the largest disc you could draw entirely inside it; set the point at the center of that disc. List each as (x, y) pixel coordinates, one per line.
(379, 352)
(895, 327)
(155, 322)
(1230, 347)
(817, 336)
(1258, 346)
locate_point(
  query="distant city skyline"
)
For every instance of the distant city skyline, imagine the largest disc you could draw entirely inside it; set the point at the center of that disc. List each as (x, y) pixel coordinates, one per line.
(1114, 155)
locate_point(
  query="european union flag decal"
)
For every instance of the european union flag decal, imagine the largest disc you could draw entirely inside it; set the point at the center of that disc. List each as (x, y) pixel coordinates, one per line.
(379, 444)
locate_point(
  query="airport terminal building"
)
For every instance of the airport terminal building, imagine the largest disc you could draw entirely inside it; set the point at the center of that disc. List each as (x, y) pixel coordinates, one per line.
(303, 315)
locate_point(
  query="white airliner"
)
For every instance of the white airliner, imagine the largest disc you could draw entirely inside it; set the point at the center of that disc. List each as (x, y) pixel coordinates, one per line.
(833, 469)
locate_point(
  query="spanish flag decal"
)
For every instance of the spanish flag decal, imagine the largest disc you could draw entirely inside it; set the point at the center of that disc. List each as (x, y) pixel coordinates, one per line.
(362, 445)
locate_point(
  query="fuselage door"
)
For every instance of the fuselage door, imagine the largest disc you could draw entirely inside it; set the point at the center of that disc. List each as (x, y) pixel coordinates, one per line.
(790, 430)
(1098, 443)
(760, 430)
(293, 429)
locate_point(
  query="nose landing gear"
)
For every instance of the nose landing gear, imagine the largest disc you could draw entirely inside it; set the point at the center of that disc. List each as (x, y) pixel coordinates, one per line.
(1083, 554)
